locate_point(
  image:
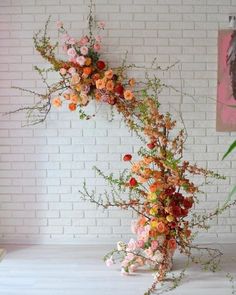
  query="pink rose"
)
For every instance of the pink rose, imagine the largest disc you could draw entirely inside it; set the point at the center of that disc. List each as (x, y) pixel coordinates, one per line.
(154, 245)
(84, 50)
(140, 243)
(84, 40)
(80, 60)
(98, 39)
(72, 59)
(72, 41)
(72, 70)
(97, 47)
(71, 52)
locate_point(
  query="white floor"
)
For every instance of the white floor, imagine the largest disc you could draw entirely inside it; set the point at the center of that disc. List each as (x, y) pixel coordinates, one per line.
(79, 270)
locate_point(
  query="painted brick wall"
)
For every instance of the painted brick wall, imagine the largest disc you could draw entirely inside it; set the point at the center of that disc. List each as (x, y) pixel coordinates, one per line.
(43, 167)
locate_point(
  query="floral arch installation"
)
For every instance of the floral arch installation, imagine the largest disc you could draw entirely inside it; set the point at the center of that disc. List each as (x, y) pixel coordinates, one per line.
(158, 186)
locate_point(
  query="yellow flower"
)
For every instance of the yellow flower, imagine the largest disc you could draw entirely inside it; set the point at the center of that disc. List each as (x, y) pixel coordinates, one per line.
(170, 218)
(153, 224)
(152, 197)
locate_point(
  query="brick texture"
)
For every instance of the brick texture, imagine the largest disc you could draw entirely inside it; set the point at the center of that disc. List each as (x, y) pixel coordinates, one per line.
(43, 167)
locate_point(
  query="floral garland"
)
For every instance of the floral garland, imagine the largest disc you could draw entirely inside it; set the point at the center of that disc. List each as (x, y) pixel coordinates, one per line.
(158, 185)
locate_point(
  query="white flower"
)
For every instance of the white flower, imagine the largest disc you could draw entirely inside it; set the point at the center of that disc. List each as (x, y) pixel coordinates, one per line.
(120, 246)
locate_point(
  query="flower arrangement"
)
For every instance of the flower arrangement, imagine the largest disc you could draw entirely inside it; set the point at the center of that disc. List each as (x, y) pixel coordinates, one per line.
(157, 186)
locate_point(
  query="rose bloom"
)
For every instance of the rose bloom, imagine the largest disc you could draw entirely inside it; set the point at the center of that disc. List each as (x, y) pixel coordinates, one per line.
(72, 70)
(98, 38)
(133, 182)
(127, 157)
(154, 245)
(56, 102)
(161, 227)
(84, 40)
(100, 84)
(132, 82)
(84, 50)
(97, 47)
(75, 79)
(80, 60)
(71, 41)
(110, 85)
(135, 167)
(128, 95)
(72, 107)
(172, 244)
(108, 74)
(84, 99)
(63, 71)
(71, 52)
(74, 98)
(140, 243)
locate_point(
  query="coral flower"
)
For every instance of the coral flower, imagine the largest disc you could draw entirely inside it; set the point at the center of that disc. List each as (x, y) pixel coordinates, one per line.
(153, 187)
(110, 85)
(172, 244)
(75, 79)
(56, 102)
(74, 98)
(109, 74)
(128, 95)
(133, 182)
(161, 228)
(100, 84)
(132, 82)
(127, 157)
(87, 70)
(72, 106)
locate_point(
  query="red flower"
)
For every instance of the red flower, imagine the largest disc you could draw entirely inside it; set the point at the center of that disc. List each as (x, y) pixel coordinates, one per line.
(119, 89)
(133, 182)
(188, 203)
(72, 106)
(151, 145)
(172, 244)
(176, 211)
(101, 64)
(127, 157)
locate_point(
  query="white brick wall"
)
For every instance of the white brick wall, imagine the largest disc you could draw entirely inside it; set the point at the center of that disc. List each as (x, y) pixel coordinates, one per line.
(43, 167)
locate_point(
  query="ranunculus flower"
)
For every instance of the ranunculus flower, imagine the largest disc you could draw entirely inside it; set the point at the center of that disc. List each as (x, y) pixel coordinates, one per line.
(72, 70)
(84, 50)
(72, 107)
(119, 89)
(100, 64)
(128, 95)
(75, 79)
(133, 182)
(80, 60)
(110, 85)
(127, 157)
(109, 74)
(188, 203)
(74, 98)
(140, 243)
(71, 52)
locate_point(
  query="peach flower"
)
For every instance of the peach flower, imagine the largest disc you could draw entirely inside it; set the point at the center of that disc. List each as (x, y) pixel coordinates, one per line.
(108, 74)
(75, 79)
(74, 98)
(161, 228)
(128, 95)
(110, 85)
(56, 102)
(100, 84)
(63, 71)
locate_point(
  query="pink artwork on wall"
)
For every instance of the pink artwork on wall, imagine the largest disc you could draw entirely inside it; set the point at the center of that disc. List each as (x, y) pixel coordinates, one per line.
(226, 90)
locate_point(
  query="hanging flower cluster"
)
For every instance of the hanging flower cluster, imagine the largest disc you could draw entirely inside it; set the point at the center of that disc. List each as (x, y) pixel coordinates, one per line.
(158, 184)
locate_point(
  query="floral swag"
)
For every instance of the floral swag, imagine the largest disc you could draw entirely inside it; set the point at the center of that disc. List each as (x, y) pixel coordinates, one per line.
(157, 187)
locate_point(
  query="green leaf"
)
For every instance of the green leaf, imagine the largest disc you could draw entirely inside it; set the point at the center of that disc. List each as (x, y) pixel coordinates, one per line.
(233, 192)
(232, 147)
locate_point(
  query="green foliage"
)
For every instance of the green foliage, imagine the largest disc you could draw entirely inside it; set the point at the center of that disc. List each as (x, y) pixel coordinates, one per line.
(230, 149)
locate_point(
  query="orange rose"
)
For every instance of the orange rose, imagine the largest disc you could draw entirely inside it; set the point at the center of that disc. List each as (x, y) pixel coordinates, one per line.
(110, 85)
(172, 244)
(109, 74)
(128, 95)
(87, 70)
(154, 187)
(72, 106)
(161, 228)
(100, 84)
(74, 98)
